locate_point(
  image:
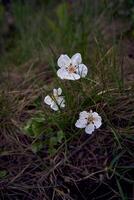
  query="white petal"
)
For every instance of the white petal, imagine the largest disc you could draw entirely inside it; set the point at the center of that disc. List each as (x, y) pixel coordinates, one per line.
(59, 91)
(76, 59)
(72, 76)
(62, 73)
(62, 105)
(55, 92)
(95, 114)
(54, 106)
(64, 61)
(89, 129)
(82, 70)
(97, 120)
(97, 123)
(60, 100)
(84, 115)
(80, 123)
(48, 100)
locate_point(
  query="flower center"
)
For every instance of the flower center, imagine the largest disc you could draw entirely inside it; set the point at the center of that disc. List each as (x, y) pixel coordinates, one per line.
(71, 69)
(90, 120)
(55, 97)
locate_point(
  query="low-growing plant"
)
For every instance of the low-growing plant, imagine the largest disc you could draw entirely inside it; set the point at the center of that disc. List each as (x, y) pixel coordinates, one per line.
(73, 70)
(77, 119)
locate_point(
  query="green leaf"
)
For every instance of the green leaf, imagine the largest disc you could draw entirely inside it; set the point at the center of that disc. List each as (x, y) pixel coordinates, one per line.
(37, 146)
(3, 173)
(39, 119)
(36, 129)
(53, 141)
(35, 126)
(52, 151)
(28, 128)
(60, 136)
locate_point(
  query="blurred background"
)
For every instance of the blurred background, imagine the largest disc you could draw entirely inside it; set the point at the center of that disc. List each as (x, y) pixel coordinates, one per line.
(29, 26)
(38, 31)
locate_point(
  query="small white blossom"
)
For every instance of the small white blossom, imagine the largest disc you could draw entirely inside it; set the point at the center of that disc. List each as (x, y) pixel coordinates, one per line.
(71, 68)
(55, 101)
(89, 120)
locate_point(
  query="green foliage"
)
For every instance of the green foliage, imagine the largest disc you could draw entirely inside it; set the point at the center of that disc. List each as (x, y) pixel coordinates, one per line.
(35, 128)
(3, 174)
(62, 14)
(55, 141)
(1, 14)
(37, 146)
(61, 28)
(123, 196)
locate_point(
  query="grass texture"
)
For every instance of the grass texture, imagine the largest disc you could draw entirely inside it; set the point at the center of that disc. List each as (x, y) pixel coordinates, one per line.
(43, 156)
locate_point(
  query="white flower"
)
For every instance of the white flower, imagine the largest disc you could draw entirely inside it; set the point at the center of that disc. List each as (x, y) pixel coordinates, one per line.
(71, 68)
(56, 101)
(89, 120)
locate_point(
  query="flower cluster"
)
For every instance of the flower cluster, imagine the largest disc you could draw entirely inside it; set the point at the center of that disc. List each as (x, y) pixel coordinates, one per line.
(73, 69)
